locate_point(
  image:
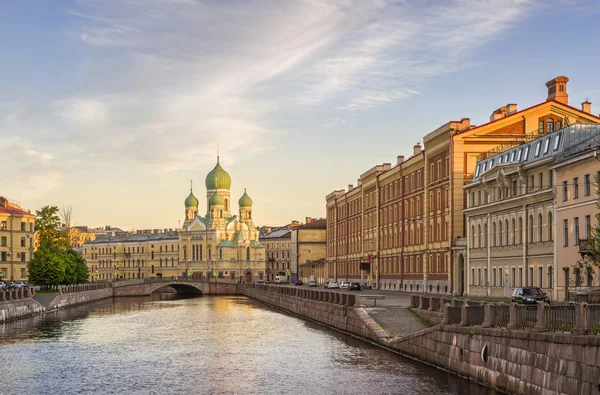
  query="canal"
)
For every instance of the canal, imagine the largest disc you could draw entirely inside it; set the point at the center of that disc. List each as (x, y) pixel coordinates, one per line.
(207, 345)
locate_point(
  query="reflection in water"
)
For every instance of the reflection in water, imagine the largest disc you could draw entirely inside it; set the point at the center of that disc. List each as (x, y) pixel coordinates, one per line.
(208, 345)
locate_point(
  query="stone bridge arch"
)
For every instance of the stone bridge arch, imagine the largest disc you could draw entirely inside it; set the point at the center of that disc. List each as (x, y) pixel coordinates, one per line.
(182, 287)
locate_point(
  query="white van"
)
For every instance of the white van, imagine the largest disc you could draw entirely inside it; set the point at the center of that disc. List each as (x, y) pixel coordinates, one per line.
(282, 280)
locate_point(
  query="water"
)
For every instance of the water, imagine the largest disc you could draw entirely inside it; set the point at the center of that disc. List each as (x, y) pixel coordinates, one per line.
(208, 345)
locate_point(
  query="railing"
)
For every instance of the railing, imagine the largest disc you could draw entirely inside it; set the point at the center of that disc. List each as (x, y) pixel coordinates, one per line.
(593, 318)
(500, 315)
(83, 288)
(475, 315)
(435, 304)
(526, 317)
(453, 315)
(15, 294)
(312, 294)
(560, 318)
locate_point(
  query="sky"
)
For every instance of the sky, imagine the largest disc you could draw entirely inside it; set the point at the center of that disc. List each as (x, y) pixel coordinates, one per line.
(113, 106)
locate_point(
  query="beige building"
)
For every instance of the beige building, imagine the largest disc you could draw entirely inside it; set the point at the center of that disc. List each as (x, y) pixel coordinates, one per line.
(17, 233)
(218, 244)
(277, 247)
(512, 215)
(576, 171)
(309, 251)
(402, 227)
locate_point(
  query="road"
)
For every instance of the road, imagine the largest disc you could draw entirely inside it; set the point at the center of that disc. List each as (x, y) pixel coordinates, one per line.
(392, 298)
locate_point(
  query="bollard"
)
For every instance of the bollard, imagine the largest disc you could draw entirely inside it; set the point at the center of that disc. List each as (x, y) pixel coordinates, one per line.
(463, 314)
(581, 319)
(445, 317)
(542, 312)
(488, 320)
(420, 306)
(351, 301)
(413, 301)
(512, 316)
(330, 297)
(430, 303)
(343, 299)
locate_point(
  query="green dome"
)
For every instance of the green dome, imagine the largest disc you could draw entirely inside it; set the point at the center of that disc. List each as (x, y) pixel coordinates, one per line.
(245, 200)
(191, 201)
(218, 178)
(216, 200)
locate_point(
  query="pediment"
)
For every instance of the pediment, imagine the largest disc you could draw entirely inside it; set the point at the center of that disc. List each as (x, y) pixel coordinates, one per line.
(196, 225)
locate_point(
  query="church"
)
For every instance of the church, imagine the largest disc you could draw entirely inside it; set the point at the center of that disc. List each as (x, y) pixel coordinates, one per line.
(220, 244)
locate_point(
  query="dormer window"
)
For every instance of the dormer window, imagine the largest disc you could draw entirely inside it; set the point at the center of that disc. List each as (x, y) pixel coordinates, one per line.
(537, 148)
(512, 156)
(556, 142)
(519, 155)
(500, 160)
(526, 154)
(546, 145)
(477, 171)
(550, 125)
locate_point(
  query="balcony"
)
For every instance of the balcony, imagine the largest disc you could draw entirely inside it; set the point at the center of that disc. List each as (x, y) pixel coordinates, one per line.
(585, 247)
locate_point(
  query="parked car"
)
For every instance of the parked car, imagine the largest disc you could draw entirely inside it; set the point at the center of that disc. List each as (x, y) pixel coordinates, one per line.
(18, 285)
(333, 285)
(8, 284)
(2, 285)
(299, 282)
(529, 295)
(260, 281)
(327, 284)
(345, 285)
(355, 287)
(312, 283)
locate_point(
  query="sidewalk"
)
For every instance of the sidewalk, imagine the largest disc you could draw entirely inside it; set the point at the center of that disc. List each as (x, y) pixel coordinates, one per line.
(398, 321)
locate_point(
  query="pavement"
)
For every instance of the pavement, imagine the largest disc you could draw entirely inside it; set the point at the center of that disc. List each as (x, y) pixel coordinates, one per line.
(44, 299)
(391, 313)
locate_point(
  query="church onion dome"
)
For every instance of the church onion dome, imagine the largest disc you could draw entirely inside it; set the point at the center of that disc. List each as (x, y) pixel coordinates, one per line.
(218, 178)
(245, 200)
(216, 200)
(191, 201)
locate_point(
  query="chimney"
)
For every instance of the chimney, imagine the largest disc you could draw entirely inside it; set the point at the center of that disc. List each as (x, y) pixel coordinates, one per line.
(350, 187)
(400, 159)
(586, 106)
(3, 201)
(417, 149)
(308, 220)
(497, 114)
(557, 89)
(510, 108)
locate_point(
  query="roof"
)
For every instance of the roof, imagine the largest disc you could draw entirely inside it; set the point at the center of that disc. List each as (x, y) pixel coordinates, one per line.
(11, 208)
(279, 233)
(318, 224)
(135, 238)
(554, 145)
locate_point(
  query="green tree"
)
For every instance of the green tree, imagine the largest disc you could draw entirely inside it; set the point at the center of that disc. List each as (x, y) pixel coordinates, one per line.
(48, 228)
(78, 271)
(47, 267)
(584, 269)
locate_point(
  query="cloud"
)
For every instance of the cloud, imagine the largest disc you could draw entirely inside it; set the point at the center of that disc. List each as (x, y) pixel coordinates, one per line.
(28, 173)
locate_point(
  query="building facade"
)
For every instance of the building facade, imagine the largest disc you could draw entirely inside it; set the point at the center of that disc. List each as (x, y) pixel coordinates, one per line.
(218, 244)
(17, 234)
(513, 215)
(402, 226)
(577, 173)
(309, 251)
(277, 250)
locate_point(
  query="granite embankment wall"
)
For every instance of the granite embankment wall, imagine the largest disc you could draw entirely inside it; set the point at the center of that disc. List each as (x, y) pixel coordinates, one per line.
(64, 300)
(335, 310)
(19, 308)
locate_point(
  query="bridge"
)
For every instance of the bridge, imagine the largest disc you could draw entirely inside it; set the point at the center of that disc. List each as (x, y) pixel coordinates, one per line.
(147, 286)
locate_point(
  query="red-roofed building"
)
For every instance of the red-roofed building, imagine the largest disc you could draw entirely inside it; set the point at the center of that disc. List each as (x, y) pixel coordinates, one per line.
(17, 230)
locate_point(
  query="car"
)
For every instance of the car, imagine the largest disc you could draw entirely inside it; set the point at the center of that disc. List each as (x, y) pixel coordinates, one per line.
(8, 285)
(345, 285)
(260, 281)
(2, 285)
(529, 295)
(355, 286)
(312, 283)
(299, 282)
(18, 285)
(333, 285)
(327, 284)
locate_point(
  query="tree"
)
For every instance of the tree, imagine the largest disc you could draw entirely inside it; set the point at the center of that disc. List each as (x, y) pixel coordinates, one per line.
(48, 230)
(47, 267)
(78, 270)
(66, 214)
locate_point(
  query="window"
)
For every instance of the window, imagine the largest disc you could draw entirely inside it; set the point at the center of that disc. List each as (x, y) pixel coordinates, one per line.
(586, 188)
(564, 191)
(541, 126)
(551, 181)
(541, 180)
(540, 230)
(565, 232)
(558, 125)
(550, 236)
(530, 233)
(23, 242)
(512, 156)
(513, 232)
(588, 226)
(576, 188)
(550, 125)
(556, 142)
(493, 234)
(537, 149)
(531, 183)
(3, 225)
(514, 188)
(3, 241)
(22, 226)
(546, 145)
(447, 166)
(526, 154)
(500, 233)
(519, 154)
(576, 224)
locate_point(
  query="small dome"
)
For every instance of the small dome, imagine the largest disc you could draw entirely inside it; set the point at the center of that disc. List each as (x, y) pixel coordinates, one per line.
(245, 200)
(191, 201)
(218, 178)
(216, 200)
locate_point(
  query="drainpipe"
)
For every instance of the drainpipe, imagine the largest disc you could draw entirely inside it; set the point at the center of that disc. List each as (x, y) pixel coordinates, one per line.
(489, 249)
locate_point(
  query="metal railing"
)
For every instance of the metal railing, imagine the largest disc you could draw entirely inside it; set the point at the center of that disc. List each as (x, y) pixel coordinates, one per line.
(500, 315)
(454, 315)
(526, 317)
(593, 318)
(560, 318)
(475, 315)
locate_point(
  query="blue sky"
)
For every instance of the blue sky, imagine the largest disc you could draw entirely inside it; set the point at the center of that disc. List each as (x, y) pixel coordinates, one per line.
(113, 106)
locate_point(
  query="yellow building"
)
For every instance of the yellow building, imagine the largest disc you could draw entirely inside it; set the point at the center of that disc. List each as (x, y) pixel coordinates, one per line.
(576, 171)
(309, 251)
(17, 235)
(79, 235)
(277, 247)
(218, 244)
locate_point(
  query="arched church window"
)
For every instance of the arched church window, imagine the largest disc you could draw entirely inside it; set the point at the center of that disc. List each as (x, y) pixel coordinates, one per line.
(247, 253)
(220, 253)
